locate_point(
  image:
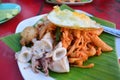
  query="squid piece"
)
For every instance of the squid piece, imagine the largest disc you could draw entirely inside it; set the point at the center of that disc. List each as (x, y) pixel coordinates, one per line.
(58, 53)
(59, 45)
(99, 43)
(59, 59)
(48, 37)
(41, 47)
(60, 65)
(24, 55)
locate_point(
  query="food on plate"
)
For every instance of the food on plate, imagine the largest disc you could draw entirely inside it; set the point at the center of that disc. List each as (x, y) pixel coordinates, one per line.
(61, 65)
(61, 39)
(25, 54)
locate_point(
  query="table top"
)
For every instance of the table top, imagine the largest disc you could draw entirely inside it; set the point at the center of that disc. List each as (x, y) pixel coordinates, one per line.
(106, 9)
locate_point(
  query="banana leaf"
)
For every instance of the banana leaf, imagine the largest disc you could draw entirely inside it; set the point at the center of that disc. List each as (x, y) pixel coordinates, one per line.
(106, 65)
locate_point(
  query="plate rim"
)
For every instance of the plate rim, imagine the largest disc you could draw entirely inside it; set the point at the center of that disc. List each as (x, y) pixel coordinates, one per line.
(68, 3)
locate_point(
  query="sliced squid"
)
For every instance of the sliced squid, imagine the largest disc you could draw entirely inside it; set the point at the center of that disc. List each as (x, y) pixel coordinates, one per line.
(54, 54)
(41, 47)
(59, 53)
(48, 37)
(24, 55)
(60, 66)
(59, 45)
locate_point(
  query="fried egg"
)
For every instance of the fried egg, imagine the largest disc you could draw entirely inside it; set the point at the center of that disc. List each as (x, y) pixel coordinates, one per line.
(67, 18)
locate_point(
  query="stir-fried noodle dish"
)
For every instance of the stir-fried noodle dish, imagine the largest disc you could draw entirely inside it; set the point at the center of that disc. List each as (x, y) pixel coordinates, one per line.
(60, 40)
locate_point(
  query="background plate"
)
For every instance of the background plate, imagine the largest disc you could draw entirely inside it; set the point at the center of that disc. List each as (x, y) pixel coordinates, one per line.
(68, 3)
(6, 8)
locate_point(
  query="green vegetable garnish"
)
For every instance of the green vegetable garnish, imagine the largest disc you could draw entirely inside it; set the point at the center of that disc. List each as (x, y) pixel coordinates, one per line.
(57, 35)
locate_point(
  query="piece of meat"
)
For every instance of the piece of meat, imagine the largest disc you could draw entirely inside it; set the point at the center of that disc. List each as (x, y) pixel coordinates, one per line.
(28, 34)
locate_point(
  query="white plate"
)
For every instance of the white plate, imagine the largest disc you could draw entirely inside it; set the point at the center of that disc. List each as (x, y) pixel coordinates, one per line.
(28, 74)
(69, 3)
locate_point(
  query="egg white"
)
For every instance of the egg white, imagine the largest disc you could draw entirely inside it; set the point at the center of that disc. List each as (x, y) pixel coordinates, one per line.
(67, 18)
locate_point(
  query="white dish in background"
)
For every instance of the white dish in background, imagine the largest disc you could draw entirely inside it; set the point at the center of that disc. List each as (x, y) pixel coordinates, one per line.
(8, 11)
(69, 3)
